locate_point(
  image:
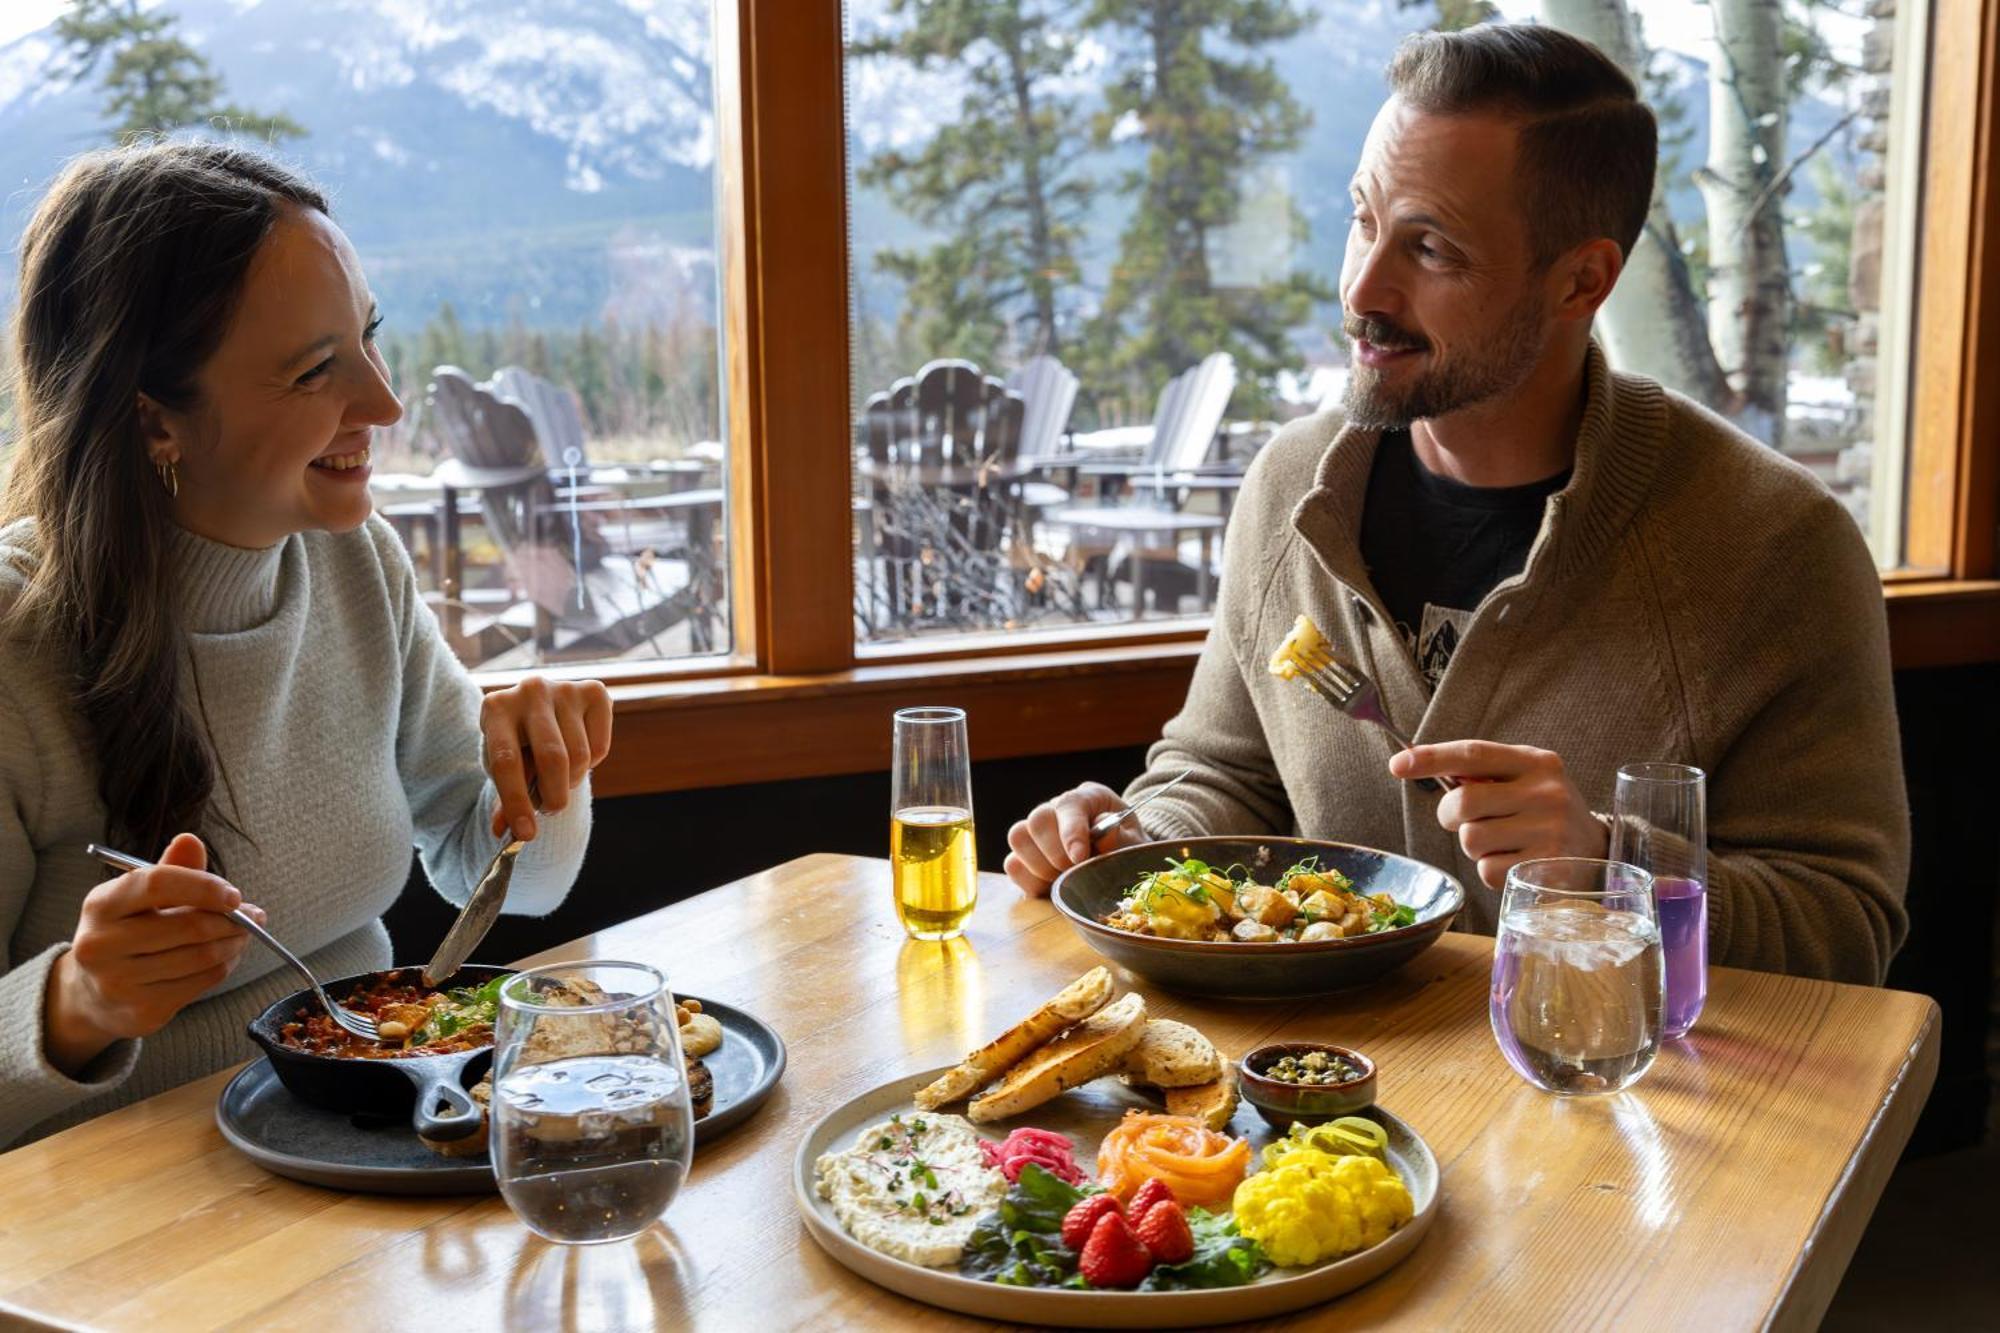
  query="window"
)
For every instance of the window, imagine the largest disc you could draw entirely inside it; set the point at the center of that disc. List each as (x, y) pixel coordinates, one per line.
(531, 191)
(1087, 287)
(838, 283)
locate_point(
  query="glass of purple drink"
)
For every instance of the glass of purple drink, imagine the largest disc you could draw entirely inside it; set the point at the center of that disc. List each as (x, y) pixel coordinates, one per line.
(1576, 975)
(1660, 823)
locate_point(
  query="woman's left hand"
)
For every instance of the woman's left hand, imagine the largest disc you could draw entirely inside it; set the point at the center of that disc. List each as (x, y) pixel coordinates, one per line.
(555, 730)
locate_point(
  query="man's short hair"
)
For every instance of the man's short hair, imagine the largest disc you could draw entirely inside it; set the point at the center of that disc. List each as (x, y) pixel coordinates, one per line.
(1588, 146)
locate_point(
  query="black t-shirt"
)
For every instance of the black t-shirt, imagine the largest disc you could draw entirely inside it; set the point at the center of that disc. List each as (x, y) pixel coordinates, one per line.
(1435, 547)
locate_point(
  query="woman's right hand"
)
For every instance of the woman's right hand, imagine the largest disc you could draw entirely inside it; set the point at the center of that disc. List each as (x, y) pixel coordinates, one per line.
(147, 944)
(1056, 836)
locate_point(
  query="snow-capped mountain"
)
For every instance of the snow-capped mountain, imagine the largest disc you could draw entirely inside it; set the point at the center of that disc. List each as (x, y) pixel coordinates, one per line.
(551, 160)
(543, 158)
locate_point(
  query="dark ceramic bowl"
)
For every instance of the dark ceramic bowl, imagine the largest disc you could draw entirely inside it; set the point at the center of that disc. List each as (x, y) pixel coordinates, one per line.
(1233, 970)
(1281, 1103)
(412, 1086)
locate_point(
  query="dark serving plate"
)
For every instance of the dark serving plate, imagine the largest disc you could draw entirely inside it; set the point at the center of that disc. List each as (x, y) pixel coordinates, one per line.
(1233, 970)
(378, 1153)
(412, 1086)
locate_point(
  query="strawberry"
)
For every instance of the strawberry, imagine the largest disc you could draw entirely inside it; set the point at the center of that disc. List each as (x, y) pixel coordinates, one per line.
(1113, 1256)
(1152, 1192)
(1082, 1217)
(1164, 1230)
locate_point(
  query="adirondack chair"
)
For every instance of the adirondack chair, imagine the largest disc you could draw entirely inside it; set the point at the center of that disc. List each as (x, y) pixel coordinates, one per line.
(630, 514)
(559, 425)
(1185, 424)
(951, 414)
(1048, 395)
(587, 598)
(939, 458)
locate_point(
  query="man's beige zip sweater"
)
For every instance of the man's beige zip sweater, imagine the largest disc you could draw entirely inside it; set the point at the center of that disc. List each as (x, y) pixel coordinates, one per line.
(1692, 596)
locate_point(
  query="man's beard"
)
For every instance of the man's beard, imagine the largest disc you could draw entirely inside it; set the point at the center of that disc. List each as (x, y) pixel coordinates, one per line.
(1496, 366)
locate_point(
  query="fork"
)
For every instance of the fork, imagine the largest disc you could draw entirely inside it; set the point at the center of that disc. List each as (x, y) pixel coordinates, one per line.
(1355, 695)
(360, 1025)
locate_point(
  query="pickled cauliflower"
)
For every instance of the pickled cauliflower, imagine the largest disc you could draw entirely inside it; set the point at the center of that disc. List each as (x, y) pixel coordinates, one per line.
(1307, 1205)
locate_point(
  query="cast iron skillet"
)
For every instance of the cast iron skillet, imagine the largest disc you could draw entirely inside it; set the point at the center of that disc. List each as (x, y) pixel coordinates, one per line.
(413, 1085)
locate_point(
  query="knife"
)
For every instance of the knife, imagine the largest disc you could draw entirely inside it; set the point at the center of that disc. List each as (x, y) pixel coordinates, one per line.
(1104, 823)
(481, 910)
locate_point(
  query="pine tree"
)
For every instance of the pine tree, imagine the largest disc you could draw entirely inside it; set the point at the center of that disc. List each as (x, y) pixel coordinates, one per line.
(1207, 118)
(442, 343)
(999, 182)
(154, 82)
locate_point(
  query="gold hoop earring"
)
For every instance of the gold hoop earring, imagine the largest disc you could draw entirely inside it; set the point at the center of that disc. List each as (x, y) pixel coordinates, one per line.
(170, 477)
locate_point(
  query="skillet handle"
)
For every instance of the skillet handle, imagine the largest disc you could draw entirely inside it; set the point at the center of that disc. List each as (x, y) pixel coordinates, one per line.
(462, 1117)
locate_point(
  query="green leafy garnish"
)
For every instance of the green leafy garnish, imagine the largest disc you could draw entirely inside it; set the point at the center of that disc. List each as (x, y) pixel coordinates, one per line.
(1392, 919)
(1222, 1258)
(463, 1007)
(1019, 1244)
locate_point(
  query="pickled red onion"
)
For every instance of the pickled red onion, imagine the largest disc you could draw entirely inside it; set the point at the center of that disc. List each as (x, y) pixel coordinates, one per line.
(1052, 1152)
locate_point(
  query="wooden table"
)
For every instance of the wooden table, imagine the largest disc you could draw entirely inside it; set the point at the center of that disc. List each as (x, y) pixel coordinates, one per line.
(1727, 1190)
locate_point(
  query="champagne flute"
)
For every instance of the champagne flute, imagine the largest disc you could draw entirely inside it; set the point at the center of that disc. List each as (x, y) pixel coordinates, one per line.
(593, 1124)
(1660, 823)
(930, 825)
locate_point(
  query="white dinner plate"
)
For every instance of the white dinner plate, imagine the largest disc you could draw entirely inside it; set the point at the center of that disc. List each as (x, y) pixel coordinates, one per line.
(1086, 1114)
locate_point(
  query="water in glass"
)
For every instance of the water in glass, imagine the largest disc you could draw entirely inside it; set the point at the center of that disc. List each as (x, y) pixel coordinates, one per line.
(593, 1124)
(1575, 1004)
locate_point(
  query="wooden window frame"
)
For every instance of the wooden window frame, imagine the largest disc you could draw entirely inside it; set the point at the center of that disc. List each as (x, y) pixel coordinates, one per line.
(798, 697)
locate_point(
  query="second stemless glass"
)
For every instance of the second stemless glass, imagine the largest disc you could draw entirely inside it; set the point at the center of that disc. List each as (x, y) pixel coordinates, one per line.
(1660, 824)
(931, 846)
(593, 1126)
(1576, 974)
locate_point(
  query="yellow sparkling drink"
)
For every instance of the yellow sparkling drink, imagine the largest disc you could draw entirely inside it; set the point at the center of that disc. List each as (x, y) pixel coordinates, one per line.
(936, 867)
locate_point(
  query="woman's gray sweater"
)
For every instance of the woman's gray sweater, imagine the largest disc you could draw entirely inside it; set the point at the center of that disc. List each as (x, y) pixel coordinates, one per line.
(344, 731)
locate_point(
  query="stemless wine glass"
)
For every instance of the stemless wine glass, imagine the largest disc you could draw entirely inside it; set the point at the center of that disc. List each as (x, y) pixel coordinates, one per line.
(593, 1128)
(1660, 824)
(1576, 974)
(930, 824)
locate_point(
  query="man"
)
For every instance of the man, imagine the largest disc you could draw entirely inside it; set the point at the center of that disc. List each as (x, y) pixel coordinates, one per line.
(1549, 569)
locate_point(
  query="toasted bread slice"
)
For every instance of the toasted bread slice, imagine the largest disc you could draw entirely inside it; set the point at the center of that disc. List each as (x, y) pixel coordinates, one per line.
(1072, 1004)
(1098, 1045)
(1210, 1103)
(1172, 1055)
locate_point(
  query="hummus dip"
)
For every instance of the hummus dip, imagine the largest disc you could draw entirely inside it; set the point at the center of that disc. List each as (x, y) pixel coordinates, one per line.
(912, 1187)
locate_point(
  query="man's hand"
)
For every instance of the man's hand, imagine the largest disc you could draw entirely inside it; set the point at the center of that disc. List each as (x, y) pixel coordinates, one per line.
(1056, 835)
(1514, 803)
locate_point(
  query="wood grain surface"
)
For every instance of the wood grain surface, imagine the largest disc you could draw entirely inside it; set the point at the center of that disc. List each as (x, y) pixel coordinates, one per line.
(1726, 1190)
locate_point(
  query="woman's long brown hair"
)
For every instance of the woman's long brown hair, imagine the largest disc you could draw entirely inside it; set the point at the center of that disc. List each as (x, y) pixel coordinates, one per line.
(130, 272)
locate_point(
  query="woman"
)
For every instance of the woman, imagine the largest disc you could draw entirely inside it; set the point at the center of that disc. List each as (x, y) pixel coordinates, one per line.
(210, 652)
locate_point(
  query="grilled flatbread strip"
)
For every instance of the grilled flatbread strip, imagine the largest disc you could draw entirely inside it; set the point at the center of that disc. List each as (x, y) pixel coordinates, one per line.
(1074, 1003)
(1096, 1046)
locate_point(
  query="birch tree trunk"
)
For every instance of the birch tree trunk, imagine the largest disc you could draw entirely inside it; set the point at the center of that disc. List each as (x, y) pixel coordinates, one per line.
(1749, 281)
(1652, 324)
